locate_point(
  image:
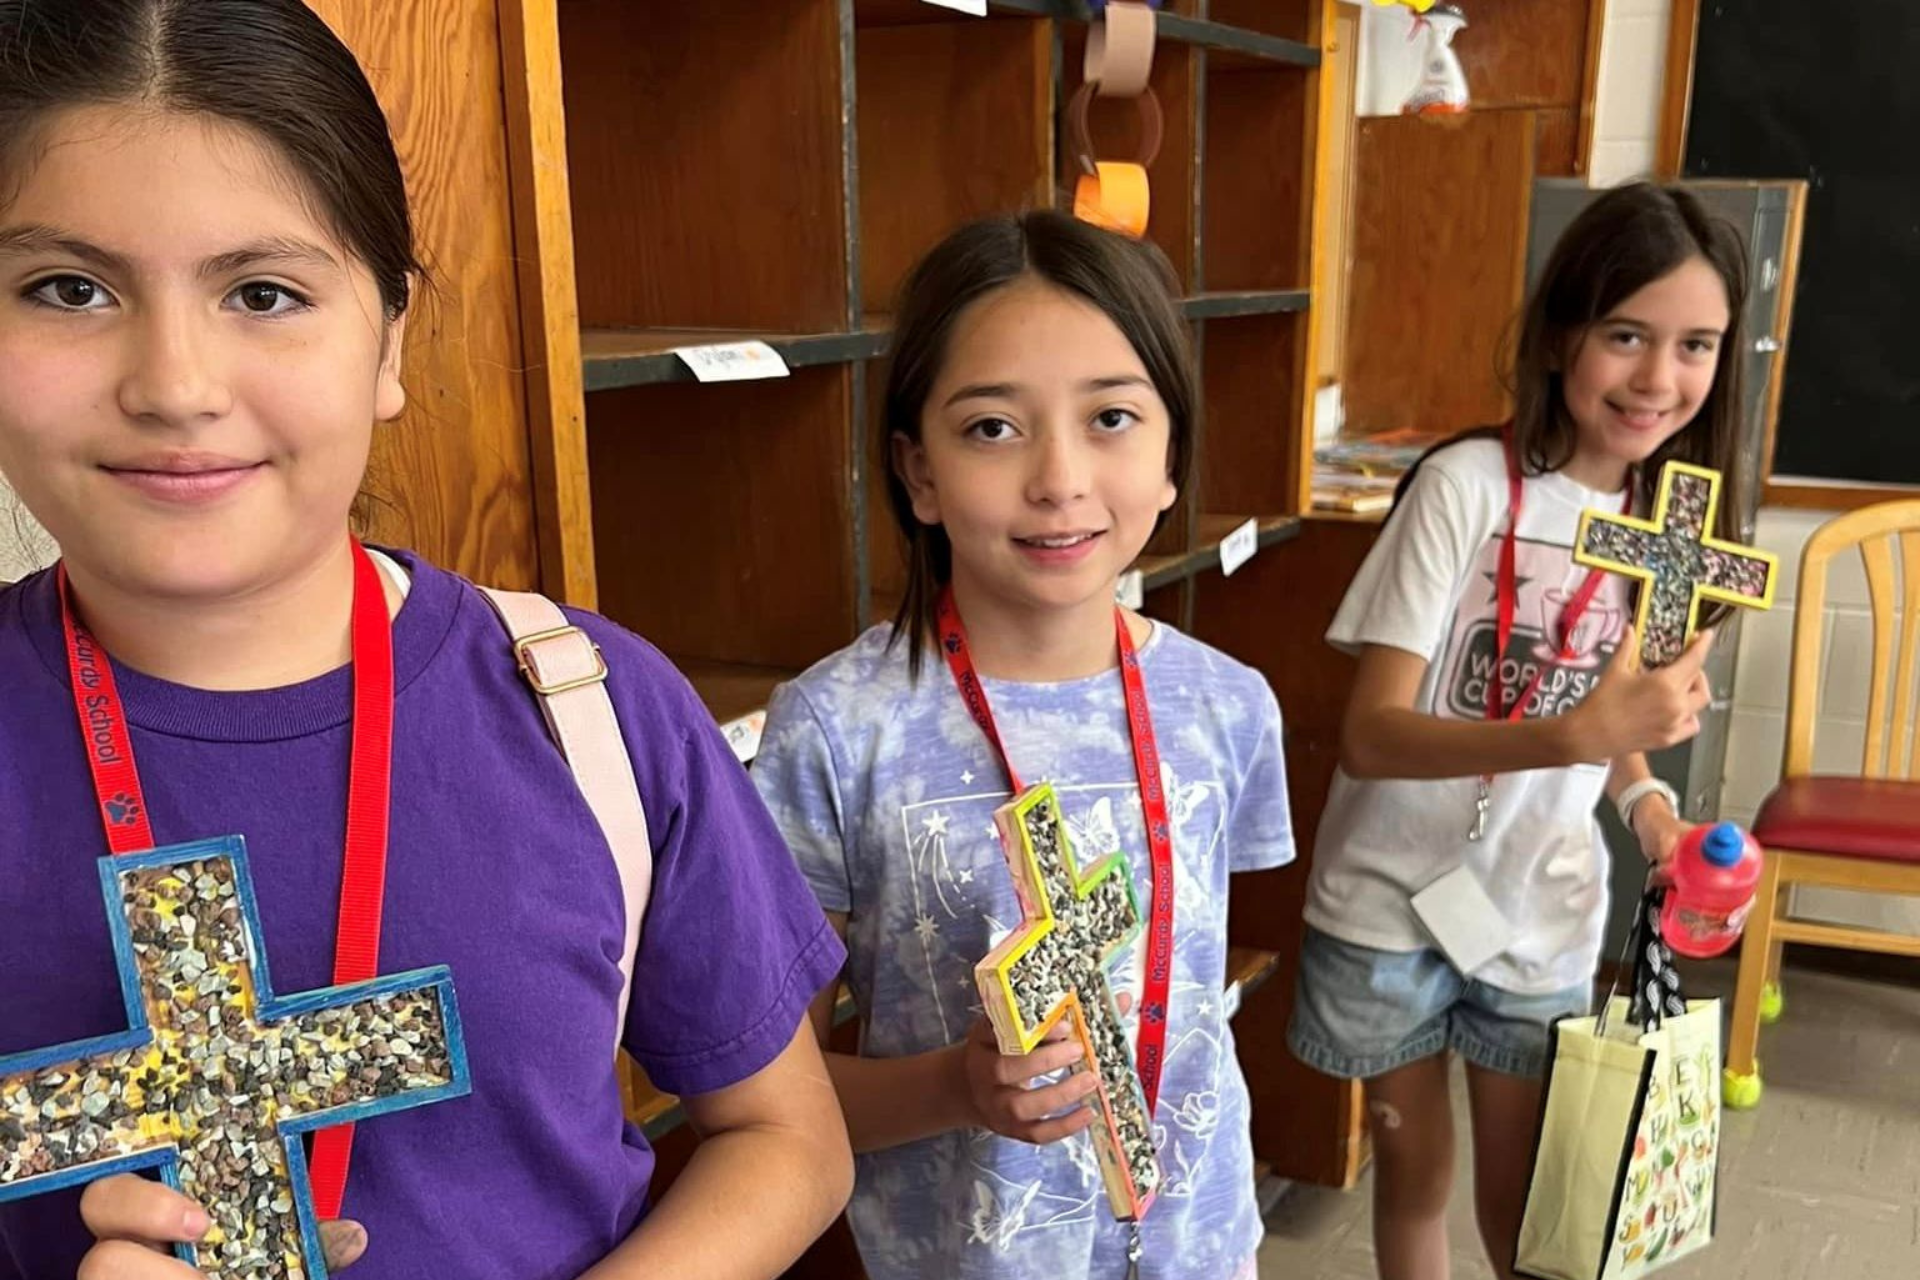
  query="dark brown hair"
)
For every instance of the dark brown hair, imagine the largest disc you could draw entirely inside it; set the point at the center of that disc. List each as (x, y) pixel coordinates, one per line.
(270, 65)
(1619, 244)
(1132, 284)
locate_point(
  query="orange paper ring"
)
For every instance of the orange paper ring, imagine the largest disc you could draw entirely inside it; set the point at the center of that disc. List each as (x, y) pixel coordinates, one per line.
(1119, 56)
(1114, 196)
(1080, 141)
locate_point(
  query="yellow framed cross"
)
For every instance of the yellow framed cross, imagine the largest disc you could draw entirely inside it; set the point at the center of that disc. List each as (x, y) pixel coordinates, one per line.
(1676, 561)
(1056, 964)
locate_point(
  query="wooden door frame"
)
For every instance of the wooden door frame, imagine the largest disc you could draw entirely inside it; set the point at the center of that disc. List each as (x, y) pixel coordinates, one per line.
(549, 303)
(1683, 30)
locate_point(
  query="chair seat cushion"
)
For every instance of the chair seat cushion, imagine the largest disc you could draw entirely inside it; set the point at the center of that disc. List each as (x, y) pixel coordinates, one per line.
(1853, 817)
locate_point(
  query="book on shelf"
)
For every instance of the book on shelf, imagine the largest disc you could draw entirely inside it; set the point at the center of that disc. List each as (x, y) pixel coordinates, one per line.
(1387, 453)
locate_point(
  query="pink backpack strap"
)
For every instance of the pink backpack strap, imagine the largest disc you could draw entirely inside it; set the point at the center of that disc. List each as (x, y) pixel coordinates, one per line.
(568, 675)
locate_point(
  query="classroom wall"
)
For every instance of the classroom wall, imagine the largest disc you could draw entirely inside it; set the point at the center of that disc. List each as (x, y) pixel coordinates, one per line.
(1759, 726)
(1627, 95)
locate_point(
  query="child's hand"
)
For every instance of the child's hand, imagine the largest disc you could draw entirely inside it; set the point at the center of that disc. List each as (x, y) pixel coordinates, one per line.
(1660, 832)
(1637, 710)
(137, 1222)
(998, 1096)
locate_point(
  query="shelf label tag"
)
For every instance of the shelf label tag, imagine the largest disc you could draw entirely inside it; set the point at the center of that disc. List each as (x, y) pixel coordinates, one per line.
(744, 734)
(1131, 591)
(978, 8)
(1238, 547)
(733, 361)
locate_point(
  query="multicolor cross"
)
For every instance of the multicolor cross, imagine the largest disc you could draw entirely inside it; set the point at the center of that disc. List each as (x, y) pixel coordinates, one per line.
(1677, 562)
(216, 1078)
(1056, 965)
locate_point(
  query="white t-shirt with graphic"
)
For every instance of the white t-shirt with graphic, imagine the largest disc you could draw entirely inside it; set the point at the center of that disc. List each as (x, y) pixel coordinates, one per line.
(886, 790)
(1430, 587)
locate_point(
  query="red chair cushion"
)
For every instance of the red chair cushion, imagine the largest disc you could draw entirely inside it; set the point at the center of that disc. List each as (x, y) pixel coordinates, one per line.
(1852, 817)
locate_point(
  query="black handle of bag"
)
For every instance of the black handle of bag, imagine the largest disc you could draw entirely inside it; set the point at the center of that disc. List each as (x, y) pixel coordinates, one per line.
(1656, 983)
(1656, 992)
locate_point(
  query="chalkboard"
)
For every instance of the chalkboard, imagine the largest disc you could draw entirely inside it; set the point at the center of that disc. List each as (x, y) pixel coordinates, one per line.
(1830, 92)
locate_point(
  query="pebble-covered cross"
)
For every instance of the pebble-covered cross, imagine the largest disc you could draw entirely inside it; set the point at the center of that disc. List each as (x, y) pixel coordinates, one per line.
(216, 1079)
(1677, 561)
(1056, 964)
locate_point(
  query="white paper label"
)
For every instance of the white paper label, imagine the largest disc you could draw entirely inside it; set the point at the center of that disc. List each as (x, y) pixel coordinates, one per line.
(744, 734)
(978, 8)
(1131, 592)
(1238, 547)
(1463, 919)
(733, 362)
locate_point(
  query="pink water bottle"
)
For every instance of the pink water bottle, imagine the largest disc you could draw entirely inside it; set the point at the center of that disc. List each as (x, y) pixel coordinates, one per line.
(1715, 871)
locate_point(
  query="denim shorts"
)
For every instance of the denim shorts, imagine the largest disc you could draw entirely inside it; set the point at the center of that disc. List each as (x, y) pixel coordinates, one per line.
(1362, 1012)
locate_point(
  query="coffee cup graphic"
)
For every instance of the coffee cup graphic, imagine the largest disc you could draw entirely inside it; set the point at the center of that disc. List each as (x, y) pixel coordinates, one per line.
(1596, 625)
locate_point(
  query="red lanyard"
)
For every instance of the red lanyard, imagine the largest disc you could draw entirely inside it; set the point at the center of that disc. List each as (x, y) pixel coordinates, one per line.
(1153, 800)
(1508, 589)
(123, 807)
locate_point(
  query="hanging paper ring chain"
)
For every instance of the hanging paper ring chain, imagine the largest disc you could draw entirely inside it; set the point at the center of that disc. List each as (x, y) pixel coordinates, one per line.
(1119, 55)
(1080, 141)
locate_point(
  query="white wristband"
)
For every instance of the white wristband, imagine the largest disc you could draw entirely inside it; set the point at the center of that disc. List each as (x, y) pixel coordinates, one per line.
(1639, 791)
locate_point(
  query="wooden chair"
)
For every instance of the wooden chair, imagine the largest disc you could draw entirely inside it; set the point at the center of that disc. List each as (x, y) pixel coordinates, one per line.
(1848, 832)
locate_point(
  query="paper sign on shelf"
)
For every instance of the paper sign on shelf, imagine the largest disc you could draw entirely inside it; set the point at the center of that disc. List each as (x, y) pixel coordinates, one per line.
(1238, 547)
(1131, 591)
(733, 361)
(744, 734)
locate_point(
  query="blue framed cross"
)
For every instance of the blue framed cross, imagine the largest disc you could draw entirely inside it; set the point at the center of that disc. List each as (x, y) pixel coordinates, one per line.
(1056, 964)
(1677, 561)
(216, 1078)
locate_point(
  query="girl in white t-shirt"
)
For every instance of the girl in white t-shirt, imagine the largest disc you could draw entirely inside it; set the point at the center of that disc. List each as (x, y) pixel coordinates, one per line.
(1458, 891)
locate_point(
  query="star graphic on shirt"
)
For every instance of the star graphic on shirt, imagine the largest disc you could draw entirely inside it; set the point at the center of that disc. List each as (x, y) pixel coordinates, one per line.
(966, 779)
(966, 875)
(993, 832)
(926, 928)
(1493, 577)
(936, 825)
(1206, 1008)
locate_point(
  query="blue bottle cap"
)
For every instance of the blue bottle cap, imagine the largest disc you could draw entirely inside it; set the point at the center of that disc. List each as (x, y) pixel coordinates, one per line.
(1724, 844)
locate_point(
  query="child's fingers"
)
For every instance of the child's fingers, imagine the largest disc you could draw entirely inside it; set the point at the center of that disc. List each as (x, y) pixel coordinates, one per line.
(1626, 653)
(1028, 1105)
(1053, 1130)
(1695, 656)
(1014, 1069)
(125, 1260)
(128, 1208)
(343, 1243)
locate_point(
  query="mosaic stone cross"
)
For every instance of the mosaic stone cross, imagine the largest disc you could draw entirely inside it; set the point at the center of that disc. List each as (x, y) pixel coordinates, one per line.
(1677, 562)
(1056, 965)
(216, 1078)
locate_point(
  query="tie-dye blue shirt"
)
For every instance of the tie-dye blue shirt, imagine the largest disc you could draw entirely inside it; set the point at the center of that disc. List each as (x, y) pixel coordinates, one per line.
(886, 790)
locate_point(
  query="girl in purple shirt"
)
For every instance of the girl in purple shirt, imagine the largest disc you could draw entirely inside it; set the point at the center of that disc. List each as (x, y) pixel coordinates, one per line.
(206, 257)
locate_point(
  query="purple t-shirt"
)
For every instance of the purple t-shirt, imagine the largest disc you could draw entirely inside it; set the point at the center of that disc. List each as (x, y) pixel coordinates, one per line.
(496, 869)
